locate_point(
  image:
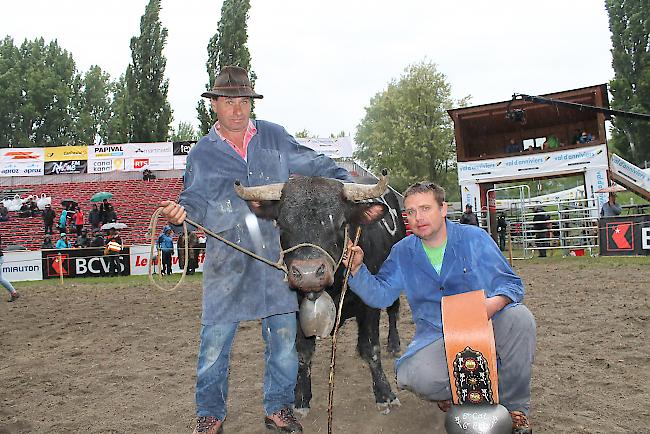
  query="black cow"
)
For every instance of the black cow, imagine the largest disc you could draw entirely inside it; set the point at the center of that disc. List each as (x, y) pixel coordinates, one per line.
(194, 252)
(317, 210)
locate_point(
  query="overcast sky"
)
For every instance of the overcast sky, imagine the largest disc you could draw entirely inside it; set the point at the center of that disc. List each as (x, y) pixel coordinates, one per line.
(320, 62)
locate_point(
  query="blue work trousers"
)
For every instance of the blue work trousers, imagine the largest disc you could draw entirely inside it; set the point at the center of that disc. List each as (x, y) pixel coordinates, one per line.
(280, 360)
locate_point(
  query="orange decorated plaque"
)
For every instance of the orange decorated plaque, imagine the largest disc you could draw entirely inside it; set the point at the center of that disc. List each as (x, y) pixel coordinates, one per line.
(469, 345)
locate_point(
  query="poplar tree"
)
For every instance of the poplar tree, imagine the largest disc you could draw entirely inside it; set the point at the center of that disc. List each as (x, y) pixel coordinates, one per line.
(629, 22)
(149, 113)
(227, 47)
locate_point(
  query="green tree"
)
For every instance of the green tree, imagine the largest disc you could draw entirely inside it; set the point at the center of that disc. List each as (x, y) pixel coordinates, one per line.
(304, 134)
(121, 120)
(184, 132)
(629, 22)
(149, 114)
(93, 107)
(37, 86)
(227, 47)
(11, 97)
(406, 129)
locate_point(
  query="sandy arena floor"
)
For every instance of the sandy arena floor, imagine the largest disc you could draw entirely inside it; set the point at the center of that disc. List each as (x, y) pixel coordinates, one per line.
(117, 356)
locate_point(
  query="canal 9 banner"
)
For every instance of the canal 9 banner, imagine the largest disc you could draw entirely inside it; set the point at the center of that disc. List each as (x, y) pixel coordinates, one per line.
(22, 161)
(105, 158)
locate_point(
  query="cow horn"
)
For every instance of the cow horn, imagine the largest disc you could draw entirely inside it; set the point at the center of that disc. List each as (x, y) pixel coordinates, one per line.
(259, 193)
(363, 192)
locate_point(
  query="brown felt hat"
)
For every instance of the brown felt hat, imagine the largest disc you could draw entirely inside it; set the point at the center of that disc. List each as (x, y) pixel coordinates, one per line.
(232, 81)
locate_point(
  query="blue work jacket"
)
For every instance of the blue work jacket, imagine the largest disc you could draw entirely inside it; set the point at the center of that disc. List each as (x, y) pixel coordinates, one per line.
(237, 287)
(165, 243)
(472, 261)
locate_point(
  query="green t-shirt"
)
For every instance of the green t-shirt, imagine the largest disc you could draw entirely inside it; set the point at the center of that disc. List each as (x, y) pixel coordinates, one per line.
(436, 255)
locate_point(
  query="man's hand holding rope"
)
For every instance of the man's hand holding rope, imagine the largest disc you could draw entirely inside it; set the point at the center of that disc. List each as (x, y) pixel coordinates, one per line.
(173, 212)
(357, 257)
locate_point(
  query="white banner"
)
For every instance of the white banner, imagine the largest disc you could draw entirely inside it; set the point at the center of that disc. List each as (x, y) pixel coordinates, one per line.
(534, 165)
(19, 266)
(151, 163)
(595, 180)
(470, 195)
(22, 155)
(630, 172)
(148, 150)
(105, 165)
(140, 260)
(99, 152)
(179, 162)
(22, 168)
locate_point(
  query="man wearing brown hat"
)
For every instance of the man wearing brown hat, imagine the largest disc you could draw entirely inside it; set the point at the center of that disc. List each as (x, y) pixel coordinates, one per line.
(237, 287)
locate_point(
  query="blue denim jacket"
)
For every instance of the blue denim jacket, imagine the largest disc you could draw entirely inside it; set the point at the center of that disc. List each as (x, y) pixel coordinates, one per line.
(472, 261)
(237, 287)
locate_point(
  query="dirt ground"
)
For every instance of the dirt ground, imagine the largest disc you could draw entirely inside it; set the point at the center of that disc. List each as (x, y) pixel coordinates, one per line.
(118, 356)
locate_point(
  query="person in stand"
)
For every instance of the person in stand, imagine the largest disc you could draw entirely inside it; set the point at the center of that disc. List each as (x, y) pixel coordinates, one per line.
(48, 218)
(542, 226)
(611, 208)
(79, 220)
(47, 242)
(98, 239)
(166, 248)
(63, 221)
(82, 239)
(444, 258)
(468, 217)
(13, 294)
(4, 212)
(502, 228)
(237, 287)
(62, 242)
(33, 207)
(94, 217)
(112, 252)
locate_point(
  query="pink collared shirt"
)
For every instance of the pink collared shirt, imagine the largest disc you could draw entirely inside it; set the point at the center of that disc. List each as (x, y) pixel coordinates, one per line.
(250, 132)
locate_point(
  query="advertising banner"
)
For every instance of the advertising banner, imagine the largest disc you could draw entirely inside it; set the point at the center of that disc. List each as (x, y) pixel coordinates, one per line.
(105, 165)
(81, 263)
(12, 155)
(630, 172)
(151, 163)
(183, 148)
(594, 181)
(470, 195)
(148, 150)
(624, 235)
(105, 152)
(66, 153)
(140, 260)
(64, 167)
(534, 165)
(179, 162)
(22, 168)
(21, 161)
(20, 266)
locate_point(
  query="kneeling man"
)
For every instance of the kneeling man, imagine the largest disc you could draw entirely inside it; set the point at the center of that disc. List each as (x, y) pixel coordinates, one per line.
(445, 258)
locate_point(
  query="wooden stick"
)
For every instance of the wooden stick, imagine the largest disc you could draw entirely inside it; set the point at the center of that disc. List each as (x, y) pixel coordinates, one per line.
(330, 399)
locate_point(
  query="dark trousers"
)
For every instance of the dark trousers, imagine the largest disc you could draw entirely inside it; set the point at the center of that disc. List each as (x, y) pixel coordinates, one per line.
(48, 227)
(166, 262)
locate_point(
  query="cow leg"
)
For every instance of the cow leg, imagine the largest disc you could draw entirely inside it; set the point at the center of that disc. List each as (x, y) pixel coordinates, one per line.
(305, 347)
(368, 346)
(394, 347)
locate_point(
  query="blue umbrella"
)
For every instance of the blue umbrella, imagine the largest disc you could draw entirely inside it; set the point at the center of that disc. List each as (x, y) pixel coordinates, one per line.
(98, 197)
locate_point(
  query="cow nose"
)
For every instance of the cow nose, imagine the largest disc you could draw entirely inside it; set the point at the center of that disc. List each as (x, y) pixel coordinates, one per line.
(310, 275)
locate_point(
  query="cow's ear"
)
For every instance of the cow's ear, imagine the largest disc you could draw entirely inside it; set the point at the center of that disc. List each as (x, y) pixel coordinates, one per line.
(265, 209)
(366, 213)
